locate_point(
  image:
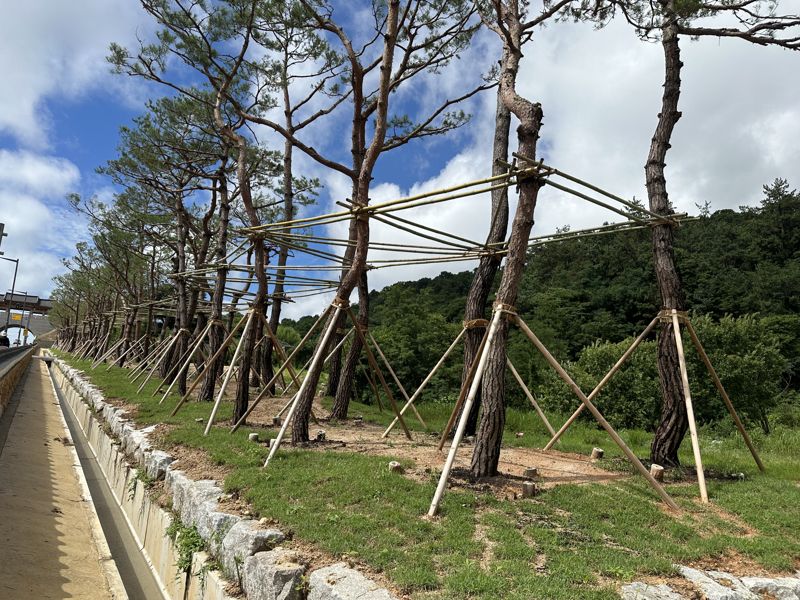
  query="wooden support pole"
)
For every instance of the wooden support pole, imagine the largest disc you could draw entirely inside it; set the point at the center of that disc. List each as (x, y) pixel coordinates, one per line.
(425, 381)
(172, 373)
(597, 415)
(146, 360)
(185, 366)
(718, 383)
(318, 356)
(156, 362)
(530, 397)
(279, 349)
(462, 395)
(372, 385)
(207, 365)
(374, 365)
(462, 424)
(125, 353)
(603, 382)
(687, 396)
(230, 371)
(105, 355)
(395, 379)
(155, 356)
(265, 390)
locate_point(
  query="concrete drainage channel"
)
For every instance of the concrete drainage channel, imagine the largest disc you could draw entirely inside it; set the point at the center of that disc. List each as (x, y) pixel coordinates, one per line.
(150, 563)
(134, 569)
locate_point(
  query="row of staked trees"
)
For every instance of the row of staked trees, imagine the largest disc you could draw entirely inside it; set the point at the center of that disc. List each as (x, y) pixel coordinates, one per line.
(245, 87)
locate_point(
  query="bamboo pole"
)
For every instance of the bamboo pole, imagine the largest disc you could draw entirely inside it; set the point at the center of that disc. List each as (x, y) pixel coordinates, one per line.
(718, 383)
(125, 353)
(161, 357)
(146, 360)
(473, 390)
(530, 396)
(227, 378)
(207, 365)
(279, 349)
(186, 364)
(395, 379)
(425, 381)
(597, 415)
(374, 365)
(265, 389)
(462, 395)
(687, 396)
(318, 355)
(114, 346)
(603, 382)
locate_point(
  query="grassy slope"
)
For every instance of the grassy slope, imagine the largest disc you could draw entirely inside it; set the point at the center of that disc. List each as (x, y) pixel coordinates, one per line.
(566, 543)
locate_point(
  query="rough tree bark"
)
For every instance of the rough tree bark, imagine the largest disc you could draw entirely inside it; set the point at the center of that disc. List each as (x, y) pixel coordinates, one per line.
(216, 334)
(488, 266)
(486, 455)
(344, 391)
(673, 425)
(364, 158)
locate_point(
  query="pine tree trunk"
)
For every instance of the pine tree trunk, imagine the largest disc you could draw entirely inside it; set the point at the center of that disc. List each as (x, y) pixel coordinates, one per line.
(673, 424)
(486, 454)
(488, 266)
(345, 389)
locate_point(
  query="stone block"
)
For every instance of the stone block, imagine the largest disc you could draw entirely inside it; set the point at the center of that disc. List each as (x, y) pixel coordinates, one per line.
(340, 582)
(273, 575)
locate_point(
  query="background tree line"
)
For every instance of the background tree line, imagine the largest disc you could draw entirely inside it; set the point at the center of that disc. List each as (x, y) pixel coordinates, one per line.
(587, 298)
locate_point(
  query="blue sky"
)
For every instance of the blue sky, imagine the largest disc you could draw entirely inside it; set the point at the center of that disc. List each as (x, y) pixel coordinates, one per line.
(61, 108)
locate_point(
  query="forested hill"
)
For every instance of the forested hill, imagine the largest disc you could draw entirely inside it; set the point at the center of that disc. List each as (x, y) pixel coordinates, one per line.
(602, 288)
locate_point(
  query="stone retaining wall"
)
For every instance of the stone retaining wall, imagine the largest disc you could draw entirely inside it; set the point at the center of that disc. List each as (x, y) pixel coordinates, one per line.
(247, 553)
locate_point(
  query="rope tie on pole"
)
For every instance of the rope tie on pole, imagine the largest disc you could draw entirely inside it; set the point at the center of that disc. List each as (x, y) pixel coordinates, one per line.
(475, 324)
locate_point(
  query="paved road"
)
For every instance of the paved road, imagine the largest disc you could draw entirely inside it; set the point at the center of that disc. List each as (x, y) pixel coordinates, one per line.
(46, 546)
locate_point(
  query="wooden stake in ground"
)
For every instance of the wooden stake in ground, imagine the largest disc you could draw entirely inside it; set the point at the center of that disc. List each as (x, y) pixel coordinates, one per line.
(698, 459)
(227, 378)
(318, 356)
(473, 390)
(425, 381)
(715, 378)
(603, 382)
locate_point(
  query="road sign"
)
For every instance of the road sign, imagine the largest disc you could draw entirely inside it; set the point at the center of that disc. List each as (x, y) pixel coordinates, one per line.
(16, 317)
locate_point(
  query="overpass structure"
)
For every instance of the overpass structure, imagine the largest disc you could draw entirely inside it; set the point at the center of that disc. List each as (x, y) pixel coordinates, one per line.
(31, 312)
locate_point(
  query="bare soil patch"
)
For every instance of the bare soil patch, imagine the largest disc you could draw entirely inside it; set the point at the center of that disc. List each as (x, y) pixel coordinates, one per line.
(555, 468)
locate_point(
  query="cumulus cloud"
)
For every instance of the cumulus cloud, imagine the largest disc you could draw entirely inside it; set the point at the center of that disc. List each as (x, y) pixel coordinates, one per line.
(50, 49)
(601, 91)
(39, 229)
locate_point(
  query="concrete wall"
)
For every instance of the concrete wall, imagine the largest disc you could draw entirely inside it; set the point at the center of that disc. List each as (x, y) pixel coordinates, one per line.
(148, 521)
(11, 372)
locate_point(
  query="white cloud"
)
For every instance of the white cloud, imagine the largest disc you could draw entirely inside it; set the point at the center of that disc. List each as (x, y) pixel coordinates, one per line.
(50, 49)
(45, 175)
(601, 92)
(39, 231)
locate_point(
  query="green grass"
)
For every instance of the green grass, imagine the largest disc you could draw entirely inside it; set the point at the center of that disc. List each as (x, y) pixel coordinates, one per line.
(567, 543)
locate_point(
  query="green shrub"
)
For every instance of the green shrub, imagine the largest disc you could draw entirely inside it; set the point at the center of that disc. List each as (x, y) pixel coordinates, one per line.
(746, 355)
